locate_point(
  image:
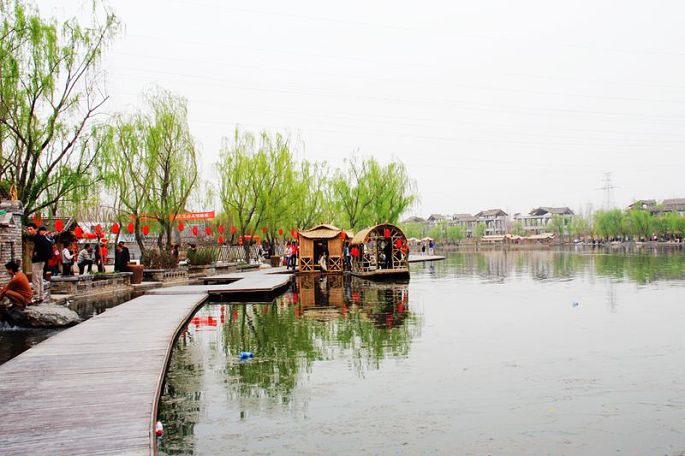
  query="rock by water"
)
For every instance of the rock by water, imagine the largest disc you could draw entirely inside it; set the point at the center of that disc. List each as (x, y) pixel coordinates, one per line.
(45, 315)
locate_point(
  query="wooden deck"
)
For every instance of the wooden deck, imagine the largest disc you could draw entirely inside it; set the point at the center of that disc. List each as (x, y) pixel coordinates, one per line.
(93, 389)
(424, 258)
(261, 282)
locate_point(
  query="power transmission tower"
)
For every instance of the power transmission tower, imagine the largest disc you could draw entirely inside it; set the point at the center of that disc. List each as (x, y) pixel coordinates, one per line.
(608, 189)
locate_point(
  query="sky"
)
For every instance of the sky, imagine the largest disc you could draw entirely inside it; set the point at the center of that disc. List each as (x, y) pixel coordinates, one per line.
(489, 104)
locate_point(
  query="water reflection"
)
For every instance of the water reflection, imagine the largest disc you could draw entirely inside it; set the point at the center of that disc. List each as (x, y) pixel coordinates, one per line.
(322, 318)
(497, 265)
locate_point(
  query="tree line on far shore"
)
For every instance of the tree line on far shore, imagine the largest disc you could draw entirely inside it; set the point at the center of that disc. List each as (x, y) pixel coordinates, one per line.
(608, 225)
(59, 159)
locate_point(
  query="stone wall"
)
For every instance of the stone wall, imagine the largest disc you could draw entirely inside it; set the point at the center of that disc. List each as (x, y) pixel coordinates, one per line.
(11, 213)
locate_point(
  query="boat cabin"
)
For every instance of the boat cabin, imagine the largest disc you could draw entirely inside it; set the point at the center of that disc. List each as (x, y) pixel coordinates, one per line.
(380, 250)
(321, 249)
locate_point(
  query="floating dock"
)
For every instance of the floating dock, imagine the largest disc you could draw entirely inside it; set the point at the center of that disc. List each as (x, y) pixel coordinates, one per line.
(424, 258)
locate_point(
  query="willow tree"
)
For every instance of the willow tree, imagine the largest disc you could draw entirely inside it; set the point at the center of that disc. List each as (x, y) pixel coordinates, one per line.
(123, 168)
(51, 86)
(367, 193)
(310, 202)
(170, 161)
(252, 172)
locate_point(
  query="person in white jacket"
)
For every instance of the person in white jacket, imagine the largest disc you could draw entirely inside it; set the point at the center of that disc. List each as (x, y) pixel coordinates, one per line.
(67, 261)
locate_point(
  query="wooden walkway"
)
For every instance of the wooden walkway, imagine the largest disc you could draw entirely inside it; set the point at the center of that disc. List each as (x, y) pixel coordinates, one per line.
(93, 389)
(424, 258)
(263, 281)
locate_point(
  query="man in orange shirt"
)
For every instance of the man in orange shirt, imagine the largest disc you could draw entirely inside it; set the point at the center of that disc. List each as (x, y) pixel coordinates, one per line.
(18, 290)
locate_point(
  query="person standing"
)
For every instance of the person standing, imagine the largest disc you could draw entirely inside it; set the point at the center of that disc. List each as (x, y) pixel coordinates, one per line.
(347, 258)
(121, 257)
(431, 246)
(85, 258)
(286, 254)
(42, 252)
(67, 261)
(293, 255)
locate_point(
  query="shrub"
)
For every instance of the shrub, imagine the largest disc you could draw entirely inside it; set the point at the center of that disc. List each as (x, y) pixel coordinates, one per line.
(202, 255)
(156, 259)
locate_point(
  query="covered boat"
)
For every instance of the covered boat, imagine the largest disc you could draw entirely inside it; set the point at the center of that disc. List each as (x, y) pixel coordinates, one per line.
(380, 251)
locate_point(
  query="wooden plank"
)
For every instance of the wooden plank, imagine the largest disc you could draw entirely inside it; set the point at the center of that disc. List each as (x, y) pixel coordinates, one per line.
(424, 258)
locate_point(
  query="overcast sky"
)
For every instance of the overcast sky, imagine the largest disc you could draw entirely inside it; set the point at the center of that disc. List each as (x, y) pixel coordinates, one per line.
(490, 104)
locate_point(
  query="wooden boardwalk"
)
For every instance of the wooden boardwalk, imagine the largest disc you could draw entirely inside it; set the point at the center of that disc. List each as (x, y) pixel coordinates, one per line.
(263, 281)
(424, 258)
(93, 389)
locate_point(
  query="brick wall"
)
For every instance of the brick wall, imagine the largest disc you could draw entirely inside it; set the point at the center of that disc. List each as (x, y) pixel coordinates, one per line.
(10, 235)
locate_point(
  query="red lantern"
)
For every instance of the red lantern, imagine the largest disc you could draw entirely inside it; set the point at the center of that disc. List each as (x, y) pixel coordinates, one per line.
(343, 235)
(240, 240)
(115, 228)
(221, 240)
(264, 229)
(354, 252)
(98, 229)
(208, 230)
(296, 235)
(220, 229)
(386, 233)
(280, 231)
(398, 244)
(195, 230)
(146, 230)
(131, 228)
(180, 226)
(233, 230)
(78, 232)
(59, 225)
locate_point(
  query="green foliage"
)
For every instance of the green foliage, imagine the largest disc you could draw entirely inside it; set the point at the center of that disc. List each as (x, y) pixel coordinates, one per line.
(202, 255)
(479, 232)
(517, 229)
(149, 163)
(50, 89)
(367, 193)
(557, 225)
(609, 224)
(158, 259)
(455, 234)
(639, 223)
(579, 226)
(414, 230)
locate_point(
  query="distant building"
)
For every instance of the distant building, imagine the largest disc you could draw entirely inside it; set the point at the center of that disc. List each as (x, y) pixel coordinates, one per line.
(668, 205)
(673, 205)
(495, 221)
(435, 218)
(648, 205)
(414, 219)
(467, 221)
(537, 220)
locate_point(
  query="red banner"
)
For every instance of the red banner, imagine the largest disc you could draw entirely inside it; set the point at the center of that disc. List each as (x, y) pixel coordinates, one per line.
(195, 216)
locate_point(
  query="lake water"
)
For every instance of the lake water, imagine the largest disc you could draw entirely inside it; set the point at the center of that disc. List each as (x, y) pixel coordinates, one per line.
(484, 353)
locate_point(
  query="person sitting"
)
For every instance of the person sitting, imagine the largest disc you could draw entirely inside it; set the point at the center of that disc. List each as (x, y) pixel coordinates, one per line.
(18, 290)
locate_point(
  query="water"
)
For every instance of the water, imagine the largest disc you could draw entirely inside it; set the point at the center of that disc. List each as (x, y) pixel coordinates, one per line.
(14, 340)
(489, 353)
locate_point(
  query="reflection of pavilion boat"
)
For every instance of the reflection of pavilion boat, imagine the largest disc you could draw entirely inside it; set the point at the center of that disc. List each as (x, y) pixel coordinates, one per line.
(379, 252)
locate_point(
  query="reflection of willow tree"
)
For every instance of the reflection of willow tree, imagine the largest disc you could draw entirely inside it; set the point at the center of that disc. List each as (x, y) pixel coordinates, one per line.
(370, 323)
(281, 344)
(642, 268)
(179, 406)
